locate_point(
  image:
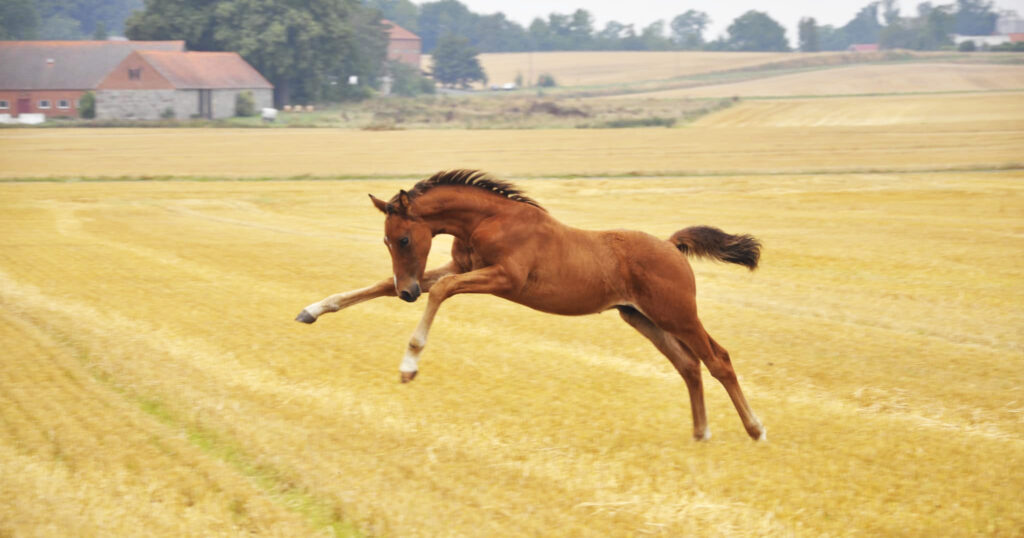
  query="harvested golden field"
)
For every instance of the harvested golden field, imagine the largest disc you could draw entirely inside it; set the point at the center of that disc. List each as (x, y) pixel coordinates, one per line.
(991, 111)
(615, 67)
(980, 131)
(866, 79)
(153, 380)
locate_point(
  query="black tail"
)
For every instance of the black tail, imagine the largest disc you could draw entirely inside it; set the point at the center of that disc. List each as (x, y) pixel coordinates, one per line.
(711, 242)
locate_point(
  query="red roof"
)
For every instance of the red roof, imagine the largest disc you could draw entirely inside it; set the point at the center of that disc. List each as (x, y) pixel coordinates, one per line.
(66, 65)
(205, 70)
(397, 32)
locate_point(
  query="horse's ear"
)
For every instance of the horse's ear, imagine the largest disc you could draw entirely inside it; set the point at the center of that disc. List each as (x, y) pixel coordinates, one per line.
(380, 204)
(403, 203)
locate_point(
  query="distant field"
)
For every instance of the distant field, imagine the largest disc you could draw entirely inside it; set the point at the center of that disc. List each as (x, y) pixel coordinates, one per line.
(152, 380)
(1005, 111)
(611, 67)
(867, 79)
(851, 135)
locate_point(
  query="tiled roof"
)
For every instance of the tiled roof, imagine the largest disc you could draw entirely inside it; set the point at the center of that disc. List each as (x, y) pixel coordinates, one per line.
(397, 32)
(66, 65)
(205, 70)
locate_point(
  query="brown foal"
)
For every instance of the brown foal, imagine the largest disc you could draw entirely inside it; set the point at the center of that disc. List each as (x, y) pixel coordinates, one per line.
(507, 245)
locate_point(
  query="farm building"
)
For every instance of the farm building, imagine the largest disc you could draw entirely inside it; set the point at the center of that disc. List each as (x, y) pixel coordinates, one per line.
(49, 77)
(155, 84)
(863, 47)
(403, 45)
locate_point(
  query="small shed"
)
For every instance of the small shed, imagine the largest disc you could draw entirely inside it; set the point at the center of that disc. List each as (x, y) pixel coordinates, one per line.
(863, 47)
(157, 84)
(403, 46)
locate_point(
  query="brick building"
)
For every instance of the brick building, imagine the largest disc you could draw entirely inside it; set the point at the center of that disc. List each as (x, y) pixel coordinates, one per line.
(403, 45)
(50, 77)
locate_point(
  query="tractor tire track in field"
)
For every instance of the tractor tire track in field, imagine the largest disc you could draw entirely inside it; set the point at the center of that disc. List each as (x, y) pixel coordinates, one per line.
(99, 464)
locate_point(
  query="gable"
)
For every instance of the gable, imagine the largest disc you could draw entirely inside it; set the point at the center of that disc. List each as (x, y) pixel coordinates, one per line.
(135, 73)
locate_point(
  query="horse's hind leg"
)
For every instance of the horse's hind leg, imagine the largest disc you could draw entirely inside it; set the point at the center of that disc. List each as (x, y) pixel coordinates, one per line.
(685, 364)
(716, 358)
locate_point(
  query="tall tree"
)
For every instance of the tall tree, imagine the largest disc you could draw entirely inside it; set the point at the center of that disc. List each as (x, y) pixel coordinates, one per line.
(456, 62)
(402, 12)
(307, 49)
(57, 16)
(756, 31)
(688, 29)
(864, 27)
(189, 20)
(18, 19)
(652, 37)
(808, 37)
(444, 17)
(974, 17)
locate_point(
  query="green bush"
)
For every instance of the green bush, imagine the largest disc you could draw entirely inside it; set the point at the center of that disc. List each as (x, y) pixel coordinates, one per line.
(1009, 47)
(245, 104)
(167, 114)
(545, 80)
(87, 106)
(407, 80)
(967, 46)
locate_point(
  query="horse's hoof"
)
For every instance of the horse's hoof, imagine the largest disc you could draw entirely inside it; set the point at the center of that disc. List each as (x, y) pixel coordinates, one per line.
(409, 376)
(305, 317)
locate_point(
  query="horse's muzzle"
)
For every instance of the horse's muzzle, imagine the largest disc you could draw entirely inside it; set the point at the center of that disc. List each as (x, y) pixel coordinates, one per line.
(411, 294)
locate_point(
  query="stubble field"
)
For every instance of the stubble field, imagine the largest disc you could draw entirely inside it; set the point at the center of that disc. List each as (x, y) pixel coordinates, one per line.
(153, 380)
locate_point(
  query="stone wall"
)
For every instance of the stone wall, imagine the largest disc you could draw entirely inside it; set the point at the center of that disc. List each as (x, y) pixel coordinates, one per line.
(133, 104)
(150, 104)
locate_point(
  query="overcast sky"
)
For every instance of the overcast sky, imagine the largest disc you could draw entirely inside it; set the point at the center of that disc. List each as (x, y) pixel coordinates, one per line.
(722, 12)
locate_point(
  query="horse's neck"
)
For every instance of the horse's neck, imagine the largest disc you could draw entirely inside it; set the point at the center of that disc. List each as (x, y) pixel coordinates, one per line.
(458, 215)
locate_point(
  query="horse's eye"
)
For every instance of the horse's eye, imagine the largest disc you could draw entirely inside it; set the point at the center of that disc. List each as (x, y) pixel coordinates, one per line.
(403, 242)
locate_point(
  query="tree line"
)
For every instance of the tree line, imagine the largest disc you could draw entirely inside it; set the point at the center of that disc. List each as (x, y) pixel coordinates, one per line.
(877, 22)
(64, 19)
(311, 49)
(881, 22)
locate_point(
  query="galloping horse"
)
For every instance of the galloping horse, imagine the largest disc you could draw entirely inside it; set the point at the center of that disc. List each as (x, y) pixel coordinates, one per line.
(507, 245)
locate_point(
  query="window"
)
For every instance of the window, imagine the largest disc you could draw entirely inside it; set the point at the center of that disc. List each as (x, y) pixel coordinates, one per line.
(135, 74)
(63, 103)
(4, 105)
(44, 104)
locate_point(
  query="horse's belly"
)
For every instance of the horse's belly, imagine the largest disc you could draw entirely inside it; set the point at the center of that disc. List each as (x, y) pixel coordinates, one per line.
(567, 304)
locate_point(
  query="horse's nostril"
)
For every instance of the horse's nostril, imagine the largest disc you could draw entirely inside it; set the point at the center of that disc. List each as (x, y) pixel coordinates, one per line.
(406, 296)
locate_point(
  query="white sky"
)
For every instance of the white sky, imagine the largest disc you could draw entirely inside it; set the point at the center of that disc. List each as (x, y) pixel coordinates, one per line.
(722, 12)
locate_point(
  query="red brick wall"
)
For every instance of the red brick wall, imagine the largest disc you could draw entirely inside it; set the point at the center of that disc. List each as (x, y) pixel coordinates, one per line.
(406, 51)
(36, 97)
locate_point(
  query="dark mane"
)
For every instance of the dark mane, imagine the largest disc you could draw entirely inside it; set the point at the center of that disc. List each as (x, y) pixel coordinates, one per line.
(471, 178)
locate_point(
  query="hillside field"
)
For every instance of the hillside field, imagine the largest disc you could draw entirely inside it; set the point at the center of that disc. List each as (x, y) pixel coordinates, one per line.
(153, 380)
(866, 79)
(614, 67)
(923, 133)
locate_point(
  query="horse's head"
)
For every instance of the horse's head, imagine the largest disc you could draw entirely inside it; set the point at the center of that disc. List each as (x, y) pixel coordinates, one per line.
(408, 240)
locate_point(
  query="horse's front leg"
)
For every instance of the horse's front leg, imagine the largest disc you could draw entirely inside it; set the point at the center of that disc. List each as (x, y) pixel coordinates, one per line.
(384, 288)
(493, 280)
